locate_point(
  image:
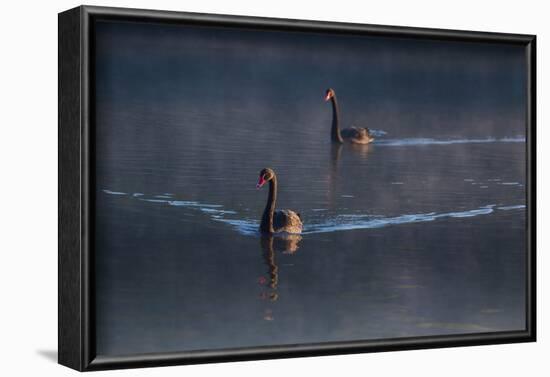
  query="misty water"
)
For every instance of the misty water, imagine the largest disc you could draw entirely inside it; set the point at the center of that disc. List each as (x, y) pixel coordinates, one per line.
(420, 233)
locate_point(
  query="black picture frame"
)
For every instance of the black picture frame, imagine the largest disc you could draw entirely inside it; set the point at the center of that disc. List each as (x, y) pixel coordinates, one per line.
(76, 196)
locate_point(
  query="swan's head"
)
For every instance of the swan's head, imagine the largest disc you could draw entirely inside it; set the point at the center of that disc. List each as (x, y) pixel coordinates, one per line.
(265, 175)
(329, 94)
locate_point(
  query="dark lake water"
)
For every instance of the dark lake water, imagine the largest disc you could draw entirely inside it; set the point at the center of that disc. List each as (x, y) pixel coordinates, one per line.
(420, 233)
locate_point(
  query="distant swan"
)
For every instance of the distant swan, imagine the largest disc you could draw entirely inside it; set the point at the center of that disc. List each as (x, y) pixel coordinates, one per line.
(354, 134)
(276, 221)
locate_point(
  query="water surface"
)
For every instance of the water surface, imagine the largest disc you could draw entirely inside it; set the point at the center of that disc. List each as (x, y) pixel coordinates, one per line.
(420, 233)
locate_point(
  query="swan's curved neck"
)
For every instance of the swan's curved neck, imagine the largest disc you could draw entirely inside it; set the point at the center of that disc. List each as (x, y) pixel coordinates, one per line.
(266, 225)
(335, 130)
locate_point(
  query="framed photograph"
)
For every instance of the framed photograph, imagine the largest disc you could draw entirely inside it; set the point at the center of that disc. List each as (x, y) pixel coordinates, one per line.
(238, 188)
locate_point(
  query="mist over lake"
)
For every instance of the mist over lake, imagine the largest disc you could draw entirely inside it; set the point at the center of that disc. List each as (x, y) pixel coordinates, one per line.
(420, 233)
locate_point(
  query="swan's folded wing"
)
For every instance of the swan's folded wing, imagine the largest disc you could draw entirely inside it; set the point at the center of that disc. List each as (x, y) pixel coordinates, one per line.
(351, 133)
(363, 132)
(357, 135)
(287, 220)
(367, 132)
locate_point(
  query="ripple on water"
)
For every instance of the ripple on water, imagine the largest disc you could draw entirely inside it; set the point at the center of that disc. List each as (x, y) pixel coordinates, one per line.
(429, 141)
(377, 133)
(508, 208)
(114, 192)
(341, 222)
(355, 222)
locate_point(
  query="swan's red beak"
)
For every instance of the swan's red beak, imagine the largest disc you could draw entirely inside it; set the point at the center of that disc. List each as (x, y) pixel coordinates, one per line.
(261, 182)
(327, 97)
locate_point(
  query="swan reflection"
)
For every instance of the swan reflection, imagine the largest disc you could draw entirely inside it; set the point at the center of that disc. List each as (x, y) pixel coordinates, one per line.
(270, 245)
(360, 150)
(333, 175)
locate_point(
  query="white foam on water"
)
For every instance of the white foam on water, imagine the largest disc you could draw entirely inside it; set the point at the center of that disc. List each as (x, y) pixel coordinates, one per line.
(114, 192)
(429, 141)
(192, 204)
(508, 208)
(346, 222)
(218, 211)
(154, 200)
(245, 227)
(377, 133)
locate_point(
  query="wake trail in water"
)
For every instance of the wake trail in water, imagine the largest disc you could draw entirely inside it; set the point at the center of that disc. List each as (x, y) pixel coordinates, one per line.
(338, 223)
(352, 222)
(429, 141)
(355, 222)
(377, 133)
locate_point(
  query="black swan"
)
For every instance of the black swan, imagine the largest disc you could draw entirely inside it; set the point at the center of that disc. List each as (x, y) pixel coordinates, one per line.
(276, 221)
(354, 134)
